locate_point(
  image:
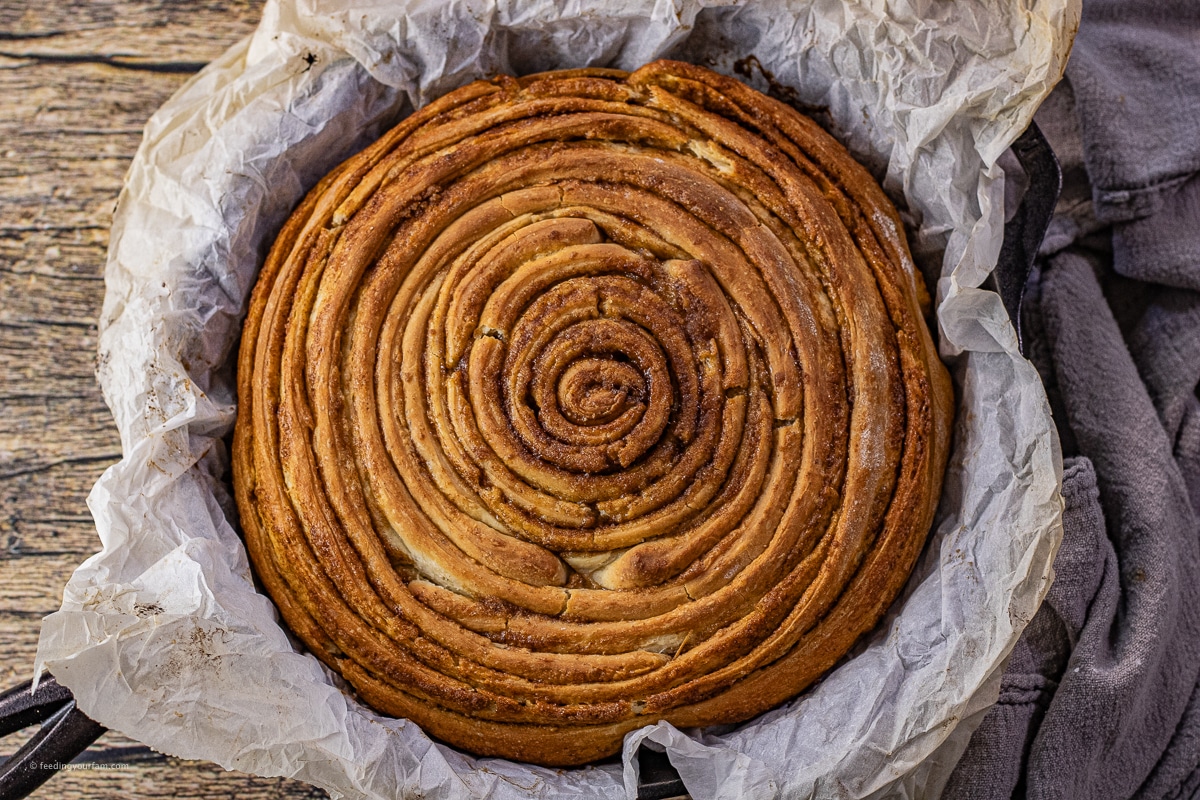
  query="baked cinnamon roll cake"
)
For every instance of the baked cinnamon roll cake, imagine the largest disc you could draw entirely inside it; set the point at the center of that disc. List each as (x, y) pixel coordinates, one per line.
(585, 400)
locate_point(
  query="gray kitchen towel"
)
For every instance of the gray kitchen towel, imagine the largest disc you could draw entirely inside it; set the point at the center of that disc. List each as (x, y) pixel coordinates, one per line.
(1133, 69)
(1100, 698)
(1116, 715)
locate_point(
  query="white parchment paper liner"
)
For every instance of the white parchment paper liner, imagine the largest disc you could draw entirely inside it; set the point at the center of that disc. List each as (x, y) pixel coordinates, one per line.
(162, 636)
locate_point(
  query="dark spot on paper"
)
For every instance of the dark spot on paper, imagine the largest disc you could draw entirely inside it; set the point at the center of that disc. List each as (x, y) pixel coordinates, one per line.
(144, 610)
(200, 650)
(746, 67)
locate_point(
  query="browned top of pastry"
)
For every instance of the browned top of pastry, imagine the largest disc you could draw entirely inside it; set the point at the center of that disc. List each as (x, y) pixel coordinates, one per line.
(585, 400)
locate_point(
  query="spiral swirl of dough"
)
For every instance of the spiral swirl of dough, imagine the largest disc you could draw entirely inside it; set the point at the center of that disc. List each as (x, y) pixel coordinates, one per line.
(586, 400)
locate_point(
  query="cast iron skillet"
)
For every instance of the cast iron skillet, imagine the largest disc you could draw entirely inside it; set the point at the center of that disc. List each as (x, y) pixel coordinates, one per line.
(66, 731)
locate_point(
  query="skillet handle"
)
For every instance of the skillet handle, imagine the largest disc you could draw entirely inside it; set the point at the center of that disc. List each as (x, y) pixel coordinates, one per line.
(66, 732)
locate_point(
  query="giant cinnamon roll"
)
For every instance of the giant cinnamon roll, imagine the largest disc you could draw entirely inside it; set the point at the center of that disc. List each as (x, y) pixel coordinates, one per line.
(585, 400)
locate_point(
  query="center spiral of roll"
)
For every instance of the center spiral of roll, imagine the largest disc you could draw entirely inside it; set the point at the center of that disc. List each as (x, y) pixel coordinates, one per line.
(585, 400)
(587, 386)
(589, 393)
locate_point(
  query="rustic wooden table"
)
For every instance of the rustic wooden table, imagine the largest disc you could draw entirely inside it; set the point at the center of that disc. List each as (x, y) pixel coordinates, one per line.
(77, 83)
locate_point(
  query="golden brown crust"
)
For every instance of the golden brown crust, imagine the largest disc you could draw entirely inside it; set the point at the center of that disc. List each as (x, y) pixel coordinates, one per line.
(585, 400)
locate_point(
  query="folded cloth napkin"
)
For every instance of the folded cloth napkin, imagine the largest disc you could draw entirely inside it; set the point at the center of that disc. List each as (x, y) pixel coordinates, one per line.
(1100, 698)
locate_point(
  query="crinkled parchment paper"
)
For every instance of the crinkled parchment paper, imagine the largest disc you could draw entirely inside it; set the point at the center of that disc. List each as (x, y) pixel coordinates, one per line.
(162, 635)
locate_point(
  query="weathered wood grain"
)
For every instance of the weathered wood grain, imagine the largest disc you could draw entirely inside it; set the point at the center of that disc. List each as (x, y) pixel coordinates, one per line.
(77, 83)
(121, 778)
(156, 32)
(18, 632)
(44, 512)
